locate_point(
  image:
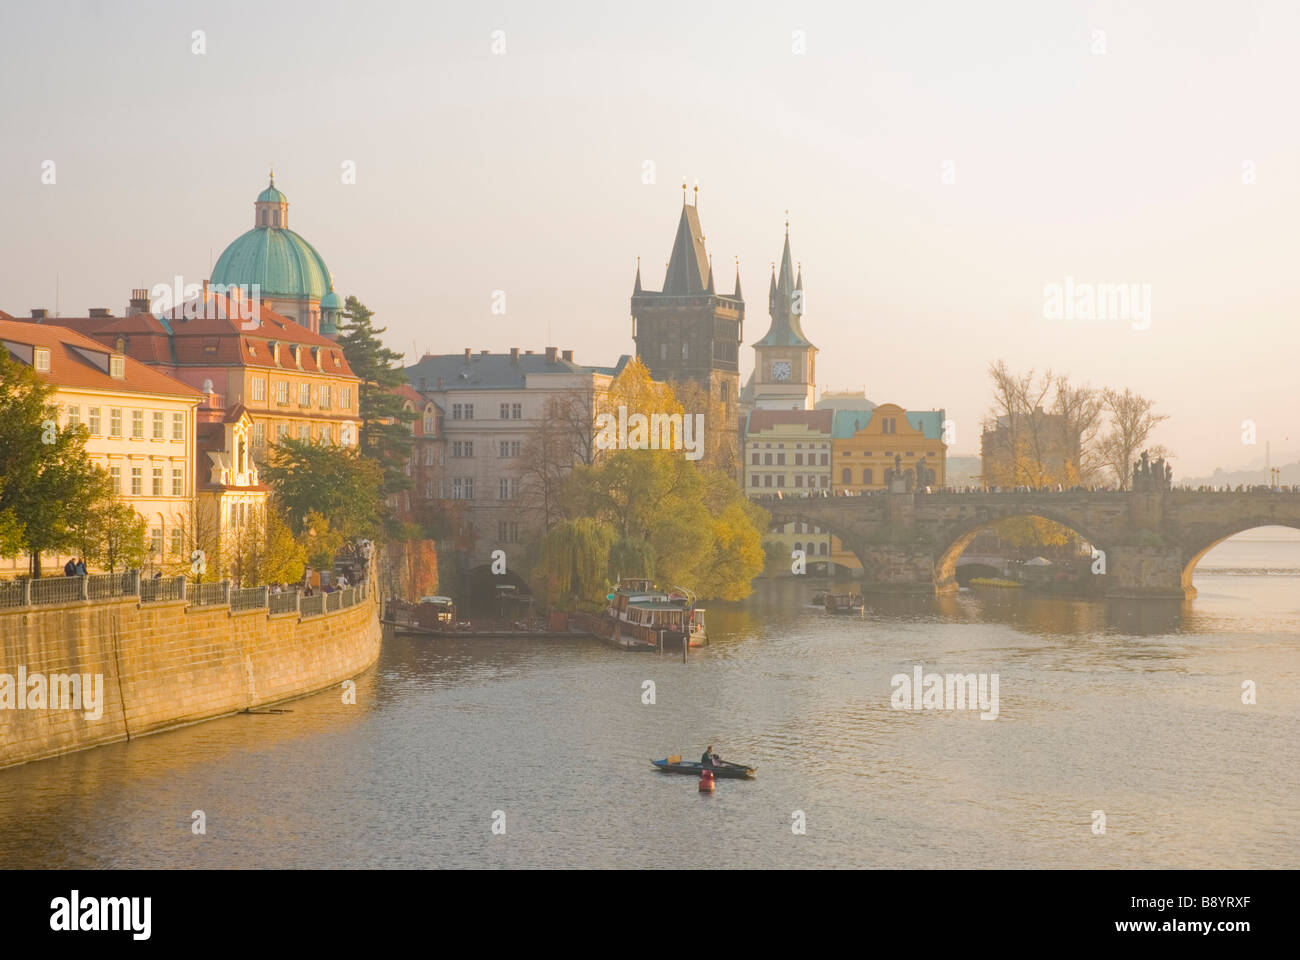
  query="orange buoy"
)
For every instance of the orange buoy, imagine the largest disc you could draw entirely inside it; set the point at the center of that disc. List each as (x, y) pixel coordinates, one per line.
(706, 781)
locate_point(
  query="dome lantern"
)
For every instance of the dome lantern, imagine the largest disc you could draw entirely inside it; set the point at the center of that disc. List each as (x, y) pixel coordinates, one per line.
(271, 209)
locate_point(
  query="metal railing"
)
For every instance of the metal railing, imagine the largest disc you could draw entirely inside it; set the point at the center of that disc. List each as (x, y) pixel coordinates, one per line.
(157, 589)
(113, 586)
(286, 602)
(249, 598)
(210, 594)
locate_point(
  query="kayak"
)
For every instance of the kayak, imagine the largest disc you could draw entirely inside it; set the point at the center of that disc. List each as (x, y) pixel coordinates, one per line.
(734, 771)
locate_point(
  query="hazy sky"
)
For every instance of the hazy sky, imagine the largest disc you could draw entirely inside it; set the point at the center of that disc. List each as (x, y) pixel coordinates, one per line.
(524, 172)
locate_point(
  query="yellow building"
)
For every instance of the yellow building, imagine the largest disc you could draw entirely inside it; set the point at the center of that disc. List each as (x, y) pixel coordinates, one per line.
(141, 425)
(871, 447)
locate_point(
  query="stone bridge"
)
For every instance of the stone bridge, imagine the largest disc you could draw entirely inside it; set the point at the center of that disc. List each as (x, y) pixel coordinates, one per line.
(1151, 539)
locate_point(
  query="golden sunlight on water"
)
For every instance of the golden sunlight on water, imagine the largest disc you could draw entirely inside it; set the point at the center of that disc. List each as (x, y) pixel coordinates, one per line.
(1127, 708)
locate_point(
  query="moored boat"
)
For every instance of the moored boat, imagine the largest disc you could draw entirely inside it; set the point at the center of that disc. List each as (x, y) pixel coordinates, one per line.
(640, 616)
(731, 771)
(844, 603)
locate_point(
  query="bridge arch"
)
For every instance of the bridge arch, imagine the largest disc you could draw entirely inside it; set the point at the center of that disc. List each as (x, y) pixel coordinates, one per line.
(799, 510)
(960, 536)
(1206, 541)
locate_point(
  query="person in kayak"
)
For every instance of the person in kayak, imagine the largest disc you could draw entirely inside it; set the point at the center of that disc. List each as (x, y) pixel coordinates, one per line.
(710, 759)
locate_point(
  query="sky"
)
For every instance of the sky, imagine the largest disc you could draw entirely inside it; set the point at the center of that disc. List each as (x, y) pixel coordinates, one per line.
(942, 164)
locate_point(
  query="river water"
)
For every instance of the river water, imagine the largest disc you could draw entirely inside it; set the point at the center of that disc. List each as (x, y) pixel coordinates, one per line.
(1131, 709)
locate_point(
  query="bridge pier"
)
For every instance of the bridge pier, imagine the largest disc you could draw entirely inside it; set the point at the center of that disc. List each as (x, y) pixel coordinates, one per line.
(1144, 571)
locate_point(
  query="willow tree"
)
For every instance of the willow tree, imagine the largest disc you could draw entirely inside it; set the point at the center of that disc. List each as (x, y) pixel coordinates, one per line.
(575, 559)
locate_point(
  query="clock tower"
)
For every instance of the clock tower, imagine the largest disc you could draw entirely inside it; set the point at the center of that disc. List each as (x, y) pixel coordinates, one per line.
(784, 373)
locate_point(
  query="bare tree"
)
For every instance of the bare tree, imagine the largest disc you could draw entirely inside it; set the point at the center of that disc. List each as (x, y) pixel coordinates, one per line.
(1131, 424)
(1080, 410)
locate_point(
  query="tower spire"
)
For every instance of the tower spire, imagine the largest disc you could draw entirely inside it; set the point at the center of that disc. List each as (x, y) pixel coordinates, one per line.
(637, 287)
(737, 293)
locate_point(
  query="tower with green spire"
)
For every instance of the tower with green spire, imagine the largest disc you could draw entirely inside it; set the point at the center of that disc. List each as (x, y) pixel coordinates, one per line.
(785, 359)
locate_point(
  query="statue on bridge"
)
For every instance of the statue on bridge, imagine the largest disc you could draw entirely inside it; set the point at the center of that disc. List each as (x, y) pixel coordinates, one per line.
(1152, 476)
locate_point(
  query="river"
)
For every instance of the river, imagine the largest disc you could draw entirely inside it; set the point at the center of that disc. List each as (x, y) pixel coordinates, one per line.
(1131, 709)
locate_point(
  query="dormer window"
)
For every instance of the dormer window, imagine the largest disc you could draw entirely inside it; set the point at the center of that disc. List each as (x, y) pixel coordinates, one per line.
(117, 368)
(41, 359)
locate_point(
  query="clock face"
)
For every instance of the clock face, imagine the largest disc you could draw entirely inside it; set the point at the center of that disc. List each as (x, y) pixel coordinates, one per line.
(781, 370)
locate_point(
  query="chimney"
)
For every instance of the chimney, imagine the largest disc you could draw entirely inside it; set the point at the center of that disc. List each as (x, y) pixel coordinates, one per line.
(567, 355)
(100, 313)
(39, 313)
(468, 351)
(482, 353)
(139, 302)
(514, 354)
(528, 353)
(550, 354)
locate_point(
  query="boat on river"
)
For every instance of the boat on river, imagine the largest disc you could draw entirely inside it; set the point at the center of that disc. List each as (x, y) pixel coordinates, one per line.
(727, 769)
(844, 603)
(640, 616)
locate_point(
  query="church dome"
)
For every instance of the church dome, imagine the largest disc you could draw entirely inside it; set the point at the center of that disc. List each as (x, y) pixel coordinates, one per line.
(281, 262)
(272, 256)
(331, 301)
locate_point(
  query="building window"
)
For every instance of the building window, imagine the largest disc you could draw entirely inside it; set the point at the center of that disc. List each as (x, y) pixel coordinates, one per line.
(178, 543)
(505, 411)
(259, 389)
(74, 417)
(115, 474)
(780, 459)
(462, 411)
(281, 431)
(754, 459)
(117, 368)
(506, 488)
(41, 359)
(846, 477)
(325, 398)
(345, 398)
(516, 411)
(507, 531)
(798, 459)
(158, 425)
(304, 394)
(115, 421)
(826, 459)
(178, 482)
(767, 479)
(462, 488)
(780, 479)
(282, 392)
(137, 424)
(462, 448)
(304, 433)
(157, 482)
(94, 421)
(798, 479)
(866, 476)
(137, 481)
(259, 435)
(767, 459)
(155, 541)
(428, 456)
(178, 426)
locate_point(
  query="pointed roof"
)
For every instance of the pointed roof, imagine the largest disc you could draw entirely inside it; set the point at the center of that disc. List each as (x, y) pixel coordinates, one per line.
(786, 329)
(637, 286)
(737, 293)
(688, 267)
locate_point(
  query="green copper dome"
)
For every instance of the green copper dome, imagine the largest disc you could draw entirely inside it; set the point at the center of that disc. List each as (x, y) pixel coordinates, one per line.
(331, 301)
(272, 195)
(278, 260)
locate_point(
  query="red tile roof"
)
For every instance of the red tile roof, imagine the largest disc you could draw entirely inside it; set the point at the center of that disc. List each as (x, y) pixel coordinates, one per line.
(71, 363)
(211, 340)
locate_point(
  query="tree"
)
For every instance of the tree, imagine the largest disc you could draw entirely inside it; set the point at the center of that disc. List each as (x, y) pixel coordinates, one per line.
(114, 536)
(49, 487)
(1132, 421)
(339, 484)
(264, 550)
(1080, 410)
(385, 434)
